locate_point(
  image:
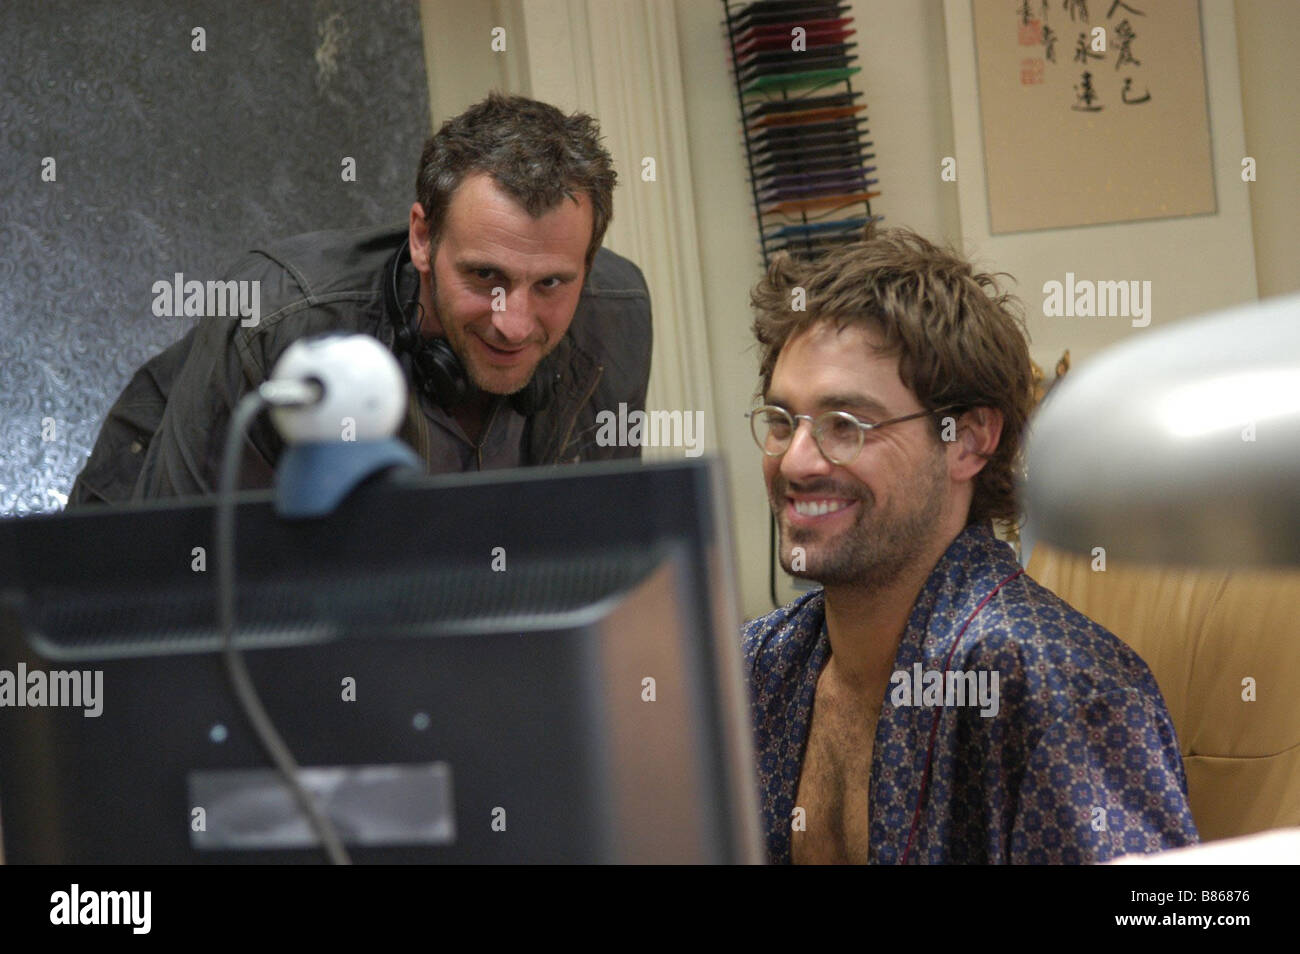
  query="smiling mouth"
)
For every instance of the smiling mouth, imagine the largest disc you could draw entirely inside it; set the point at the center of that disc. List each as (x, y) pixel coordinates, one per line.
(819, 508)
(503, 350)
(504, 354)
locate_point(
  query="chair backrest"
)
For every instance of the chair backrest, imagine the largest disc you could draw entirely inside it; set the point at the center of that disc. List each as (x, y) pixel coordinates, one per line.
(1224, 646)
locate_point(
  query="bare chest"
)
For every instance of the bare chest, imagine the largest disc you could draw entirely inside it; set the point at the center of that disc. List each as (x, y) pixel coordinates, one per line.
(834, 782)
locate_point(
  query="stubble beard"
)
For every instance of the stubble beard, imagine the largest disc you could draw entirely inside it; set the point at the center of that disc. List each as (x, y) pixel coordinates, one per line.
(458, 339)
(878, 548)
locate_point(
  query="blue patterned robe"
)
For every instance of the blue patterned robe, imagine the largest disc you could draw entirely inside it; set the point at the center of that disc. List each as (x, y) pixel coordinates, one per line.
(1080, 763)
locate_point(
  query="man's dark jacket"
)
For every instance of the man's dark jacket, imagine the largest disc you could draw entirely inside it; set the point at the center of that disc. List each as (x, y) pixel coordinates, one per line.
(164, 435)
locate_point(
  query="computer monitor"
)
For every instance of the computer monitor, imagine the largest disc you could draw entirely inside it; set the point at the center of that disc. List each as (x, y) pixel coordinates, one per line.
(518, 666)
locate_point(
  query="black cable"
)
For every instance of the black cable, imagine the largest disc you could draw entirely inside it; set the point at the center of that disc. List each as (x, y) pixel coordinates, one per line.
(283, 393)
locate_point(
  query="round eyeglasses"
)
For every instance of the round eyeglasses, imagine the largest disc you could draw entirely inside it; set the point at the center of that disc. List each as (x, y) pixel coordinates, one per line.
(839, 434)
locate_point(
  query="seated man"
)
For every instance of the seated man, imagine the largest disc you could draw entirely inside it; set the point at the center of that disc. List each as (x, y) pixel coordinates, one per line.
(930, 702)
(514, 326)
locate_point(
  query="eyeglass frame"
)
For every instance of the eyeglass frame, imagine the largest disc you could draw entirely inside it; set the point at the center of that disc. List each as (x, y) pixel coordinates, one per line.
(863, 427)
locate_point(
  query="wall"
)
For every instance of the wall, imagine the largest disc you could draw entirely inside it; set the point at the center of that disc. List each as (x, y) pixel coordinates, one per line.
(169, 159)
(460, 64)
(1268, 37)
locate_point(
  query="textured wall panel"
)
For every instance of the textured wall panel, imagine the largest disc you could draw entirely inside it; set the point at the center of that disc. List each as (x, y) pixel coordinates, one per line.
(169, 160)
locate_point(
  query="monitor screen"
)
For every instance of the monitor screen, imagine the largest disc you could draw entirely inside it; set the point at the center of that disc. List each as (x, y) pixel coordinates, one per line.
(518, 666)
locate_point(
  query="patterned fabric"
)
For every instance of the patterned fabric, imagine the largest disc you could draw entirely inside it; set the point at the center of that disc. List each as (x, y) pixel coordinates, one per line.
(1079, 764)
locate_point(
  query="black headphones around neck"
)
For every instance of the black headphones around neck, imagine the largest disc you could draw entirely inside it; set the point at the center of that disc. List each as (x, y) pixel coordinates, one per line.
(431, 364)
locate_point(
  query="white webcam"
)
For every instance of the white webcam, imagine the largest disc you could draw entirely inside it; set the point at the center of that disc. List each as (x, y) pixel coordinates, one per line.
(363, 391)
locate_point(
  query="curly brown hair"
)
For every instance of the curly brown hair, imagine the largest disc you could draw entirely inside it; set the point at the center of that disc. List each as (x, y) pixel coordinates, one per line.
(959, 338)
(536, 153)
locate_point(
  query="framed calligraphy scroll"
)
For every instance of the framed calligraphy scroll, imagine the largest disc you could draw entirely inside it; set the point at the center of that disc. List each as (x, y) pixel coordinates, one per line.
(1093, 111)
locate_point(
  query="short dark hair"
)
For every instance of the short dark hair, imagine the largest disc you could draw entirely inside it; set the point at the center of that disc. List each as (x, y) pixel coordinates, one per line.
(533, 151)
(960, 340)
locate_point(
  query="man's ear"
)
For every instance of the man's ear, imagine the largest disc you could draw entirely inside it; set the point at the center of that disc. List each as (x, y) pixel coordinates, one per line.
(418, 234)
(978, 432)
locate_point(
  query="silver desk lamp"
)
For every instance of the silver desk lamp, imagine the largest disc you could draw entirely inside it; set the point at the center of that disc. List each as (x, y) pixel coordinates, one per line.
(1181, 445)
